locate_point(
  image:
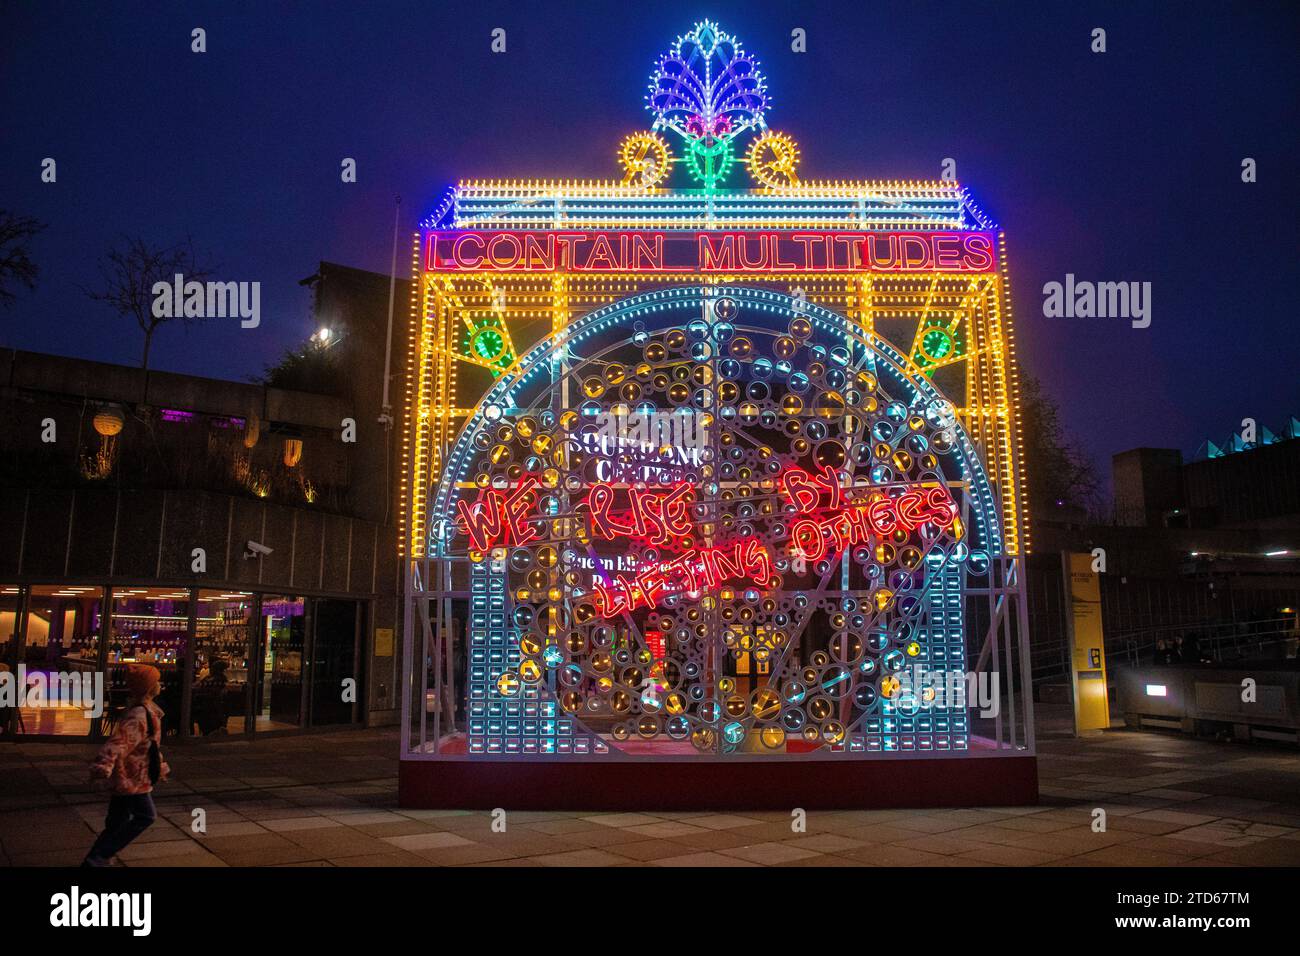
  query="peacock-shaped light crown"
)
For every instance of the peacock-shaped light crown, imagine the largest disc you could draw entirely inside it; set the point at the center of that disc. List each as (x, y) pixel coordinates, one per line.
(708, 91)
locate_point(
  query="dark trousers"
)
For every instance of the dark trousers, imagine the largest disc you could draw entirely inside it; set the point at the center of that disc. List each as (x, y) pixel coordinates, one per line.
(129, 815)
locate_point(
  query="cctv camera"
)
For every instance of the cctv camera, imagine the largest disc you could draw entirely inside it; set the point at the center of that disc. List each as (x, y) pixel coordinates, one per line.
(256, 550)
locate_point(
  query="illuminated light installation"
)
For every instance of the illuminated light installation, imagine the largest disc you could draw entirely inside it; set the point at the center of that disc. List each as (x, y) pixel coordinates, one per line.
(691, 573)
(646, 159)
(483, 251)
(772, 159)
(701, 475)
(708, 91)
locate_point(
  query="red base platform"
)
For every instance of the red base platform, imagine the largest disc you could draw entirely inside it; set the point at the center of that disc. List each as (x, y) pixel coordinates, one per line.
(764, 784)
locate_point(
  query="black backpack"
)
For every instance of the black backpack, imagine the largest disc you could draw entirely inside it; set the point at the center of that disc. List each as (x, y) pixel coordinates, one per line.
(155, 754)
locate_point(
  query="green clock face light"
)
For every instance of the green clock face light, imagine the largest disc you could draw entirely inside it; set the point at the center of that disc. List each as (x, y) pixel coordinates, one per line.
(488, 344)
(937, 344)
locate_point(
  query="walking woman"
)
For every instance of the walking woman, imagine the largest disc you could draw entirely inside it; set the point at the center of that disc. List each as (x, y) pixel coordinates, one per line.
(132, 762)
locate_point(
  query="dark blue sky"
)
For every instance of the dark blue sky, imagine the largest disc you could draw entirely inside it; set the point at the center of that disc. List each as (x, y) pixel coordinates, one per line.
(1122, 166)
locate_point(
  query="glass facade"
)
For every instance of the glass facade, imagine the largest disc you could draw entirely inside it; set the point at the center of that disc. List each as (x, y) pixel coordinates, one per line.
(231, 662)
(59, 632)
(334, 673)
(149, 626)
(224, 636)
(283, 641)
(10, 598)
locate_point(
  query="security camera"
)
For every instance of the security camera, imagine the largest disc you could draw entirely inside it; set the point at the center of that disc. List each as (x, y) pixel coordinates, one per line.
(257, 549)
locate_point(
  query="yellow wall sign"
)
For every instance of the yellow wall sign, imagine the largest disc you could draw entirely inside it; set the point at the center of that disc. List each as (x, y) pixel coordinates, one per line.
(1087, 644)
(383, 642)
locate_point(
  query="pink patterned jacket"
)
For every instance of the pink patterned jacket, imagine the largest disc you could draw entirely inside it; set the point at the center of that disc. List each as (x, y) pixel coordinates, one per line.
(124, 758)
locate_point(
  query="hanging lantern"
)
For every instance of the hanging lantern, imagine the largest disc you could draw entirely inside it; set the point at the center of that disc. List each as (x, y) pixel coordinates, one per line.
(109, 420)
(252, 431)
(292, 451)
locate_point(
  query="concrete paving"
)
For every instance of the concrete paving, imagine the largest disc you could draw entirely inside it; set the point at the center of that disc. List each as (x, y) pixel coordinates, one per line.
(331, 800)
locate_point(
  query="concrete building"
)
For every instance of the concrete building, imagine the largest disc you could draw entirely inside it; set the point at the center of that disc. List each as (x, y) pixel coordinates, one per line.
(239, 537)
(1206, 551)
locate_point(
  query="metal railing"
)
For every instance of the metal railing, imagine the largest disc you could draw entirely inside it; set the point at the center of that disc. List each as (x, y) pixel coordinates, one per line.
(1216, 641)
(1213, 641)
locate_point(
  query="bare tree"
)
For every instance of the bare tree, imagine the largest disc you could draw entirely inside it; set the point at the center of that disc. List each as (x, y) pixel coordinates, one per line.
(1058, 471)
(16, 266)
(129, 272)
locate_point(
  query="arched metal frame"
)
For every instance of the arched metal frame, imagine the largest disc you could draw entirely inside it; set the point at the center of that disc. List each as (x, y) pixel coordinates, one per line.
(541, 381)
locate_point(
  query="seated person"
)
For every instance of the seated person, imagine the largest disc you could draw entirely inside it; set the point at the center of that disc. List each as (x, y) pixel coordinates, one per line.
(209, 706)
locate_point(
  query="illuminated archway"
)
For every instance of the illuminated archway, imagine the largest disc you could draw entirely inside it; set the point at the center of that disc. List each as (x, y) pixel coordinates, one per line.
(721, 476)
(753, 386)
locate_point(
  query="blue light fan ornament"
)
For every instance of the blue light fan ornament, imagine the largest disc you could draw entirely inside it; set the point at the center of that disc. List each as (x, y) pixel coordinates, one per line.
(708, 91)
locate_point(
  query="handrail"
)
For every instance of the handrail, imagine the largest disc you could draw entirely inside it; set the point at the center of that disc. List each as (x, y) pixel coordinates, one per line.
(1051, 660)
(1282, 623)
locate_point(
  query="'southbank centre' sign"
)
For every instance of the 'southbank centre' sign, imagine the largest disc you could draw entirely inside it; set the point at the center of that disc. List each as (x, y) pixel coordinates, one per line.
(721, 610)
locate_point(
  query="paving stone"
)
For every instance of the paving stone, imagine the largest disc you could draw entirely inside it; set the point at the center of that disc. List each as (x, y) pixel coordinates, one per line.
(1169, 801)
(426, 841)
(555, 827)
(245, 828)
(930, 824)
(879, 833)
(702, 859)
(587, 857)
(404, 828)
(1011, 855)
(271, 856)
(824, 843)
(517, 861)
(892, 856)
(649, 850)
(467, 855)
(432, 814)
(823, 859)
(1175, 795)
(307, 863)
(770, 854)
(331, 844)
(68, 856)
(612, 836)
(1175, 816)
(948, 844)
(1182, 848)
(664, 828)
(137, 852)
(185, 861)
(360, 817)
(623, 819)
(720, 821)
(1124, 854)
(394, 858)
(1267, 853)
(300, 823)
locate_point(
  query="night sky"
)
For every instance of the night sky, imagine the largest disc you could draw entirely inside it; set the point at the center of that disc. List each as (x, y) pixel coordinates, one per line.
(1119, 166)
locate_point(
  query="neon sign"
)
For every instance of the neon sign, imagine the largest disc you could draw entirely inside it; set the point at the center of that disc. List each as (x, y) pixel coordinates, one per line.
(722, 253)
(698, 569)
(499, 517)
(657, 517)
(879, 516)
(661, 518)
